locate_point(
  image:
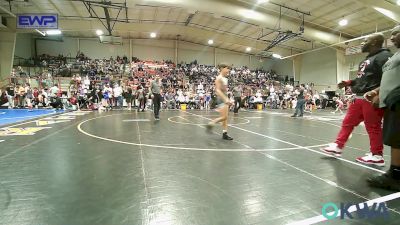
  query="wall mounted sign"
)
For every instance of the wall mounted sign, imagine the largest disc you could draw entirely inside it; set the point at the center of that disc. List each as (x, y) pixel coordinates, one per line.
(37, 21)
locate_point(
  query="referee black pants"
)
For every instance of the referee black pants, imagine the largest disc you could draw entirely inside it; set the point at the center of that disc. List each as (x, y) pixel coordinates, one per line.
(238, 103)
(157, 104)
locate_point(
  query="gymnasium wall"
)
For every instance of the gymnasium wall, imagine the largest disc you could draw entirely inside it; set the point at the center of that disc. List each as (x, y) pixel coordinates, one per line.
(95, 49)
(149, 50)
(235, 59)
(67, 47)
(319, 67)
(188, 52)
(264, 63)
(7, 49)
(141, 48)
(23, 46)
(343, 69)
(283, 67)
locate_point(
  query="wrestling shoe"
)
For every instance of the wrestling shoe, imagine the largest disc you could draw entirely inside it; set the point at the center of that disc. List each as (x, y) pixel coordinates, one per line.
(370, 159)
(333, 149)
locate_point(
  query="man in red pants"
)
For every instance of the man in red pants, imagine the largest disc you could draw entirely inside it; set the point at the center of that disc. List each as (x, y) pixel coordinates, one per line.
(368, 78)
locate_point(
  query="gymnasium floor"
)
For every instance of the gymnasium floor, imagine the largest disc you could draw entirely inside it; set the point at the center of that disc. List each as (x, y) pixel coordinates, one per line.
(10, 116)
(122, 167)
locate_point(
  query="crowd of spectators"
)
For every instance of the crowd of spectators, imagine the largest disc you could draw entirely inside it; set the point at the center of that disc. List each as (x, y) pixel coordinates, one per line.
(120, 83)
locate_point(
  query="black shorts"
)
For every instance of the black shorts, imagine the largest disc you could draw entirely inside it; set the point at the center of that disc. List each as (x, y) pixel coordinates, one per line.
(391, 127)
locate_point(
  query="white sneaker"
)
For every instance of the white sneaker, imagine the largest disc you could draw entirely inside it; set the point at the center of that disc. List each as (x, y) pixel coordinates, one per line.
(370, 159)
(333, 149)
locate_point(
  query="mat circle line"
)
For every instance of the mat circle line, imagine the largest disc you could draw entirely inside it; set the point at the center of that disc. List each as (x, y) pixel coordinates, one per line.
(79, 127)
(200, 124)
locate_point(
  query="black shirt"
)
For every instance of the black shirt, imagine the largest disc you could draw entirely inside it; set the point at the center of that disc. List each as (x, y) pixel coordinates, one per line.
(370, 72)
(10, 91)
(301, 95)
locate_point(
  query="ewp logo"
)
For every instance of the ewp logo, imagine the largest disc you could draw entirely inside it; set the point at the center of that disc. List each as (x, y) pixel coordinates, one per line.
(363, 212)
(35, 21)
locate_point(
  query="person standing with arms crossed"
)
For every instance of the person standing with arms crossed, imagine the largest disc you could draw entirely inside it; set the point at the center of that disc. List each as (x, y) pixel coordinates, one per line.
(387, 96)
(223, 101)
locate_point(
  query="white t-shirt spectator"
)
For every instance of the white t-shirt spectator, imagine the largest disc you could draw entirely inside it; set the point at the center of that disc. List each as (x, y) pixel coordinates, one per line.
(53, 91)
(86, 81)
(201, 93)
(181, 98)
(258, 94)
(45, 96)
(294, 103)
(117, 91)
(258, 98)
(272, 89)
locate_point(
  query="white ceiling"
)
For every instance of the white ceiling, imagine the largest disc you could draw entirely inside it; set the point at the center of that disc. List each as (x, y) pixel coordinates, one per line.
(225, 21)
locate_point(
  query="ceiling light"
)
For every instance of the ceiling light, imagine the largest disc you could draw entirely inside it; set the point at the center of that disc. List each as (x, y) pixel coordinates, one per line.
(251, 14)
(153, 35)
(398, 2)
(386, 12)
(53, 32)
(277, 56)
(262, 1)
(210, 42)
(323, 35)
(343, 22)
(248, 49)
(40, 32)
(99, 32)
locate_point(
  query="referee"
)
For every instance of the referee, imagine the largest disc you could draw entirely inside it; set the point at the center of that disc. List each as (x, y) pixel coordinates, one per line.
(155, 89)
(237, 94)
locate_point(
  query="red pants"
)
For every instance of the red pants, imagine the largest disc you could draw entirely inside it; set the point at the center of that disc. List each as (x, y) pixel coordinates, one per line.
(359, 111)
